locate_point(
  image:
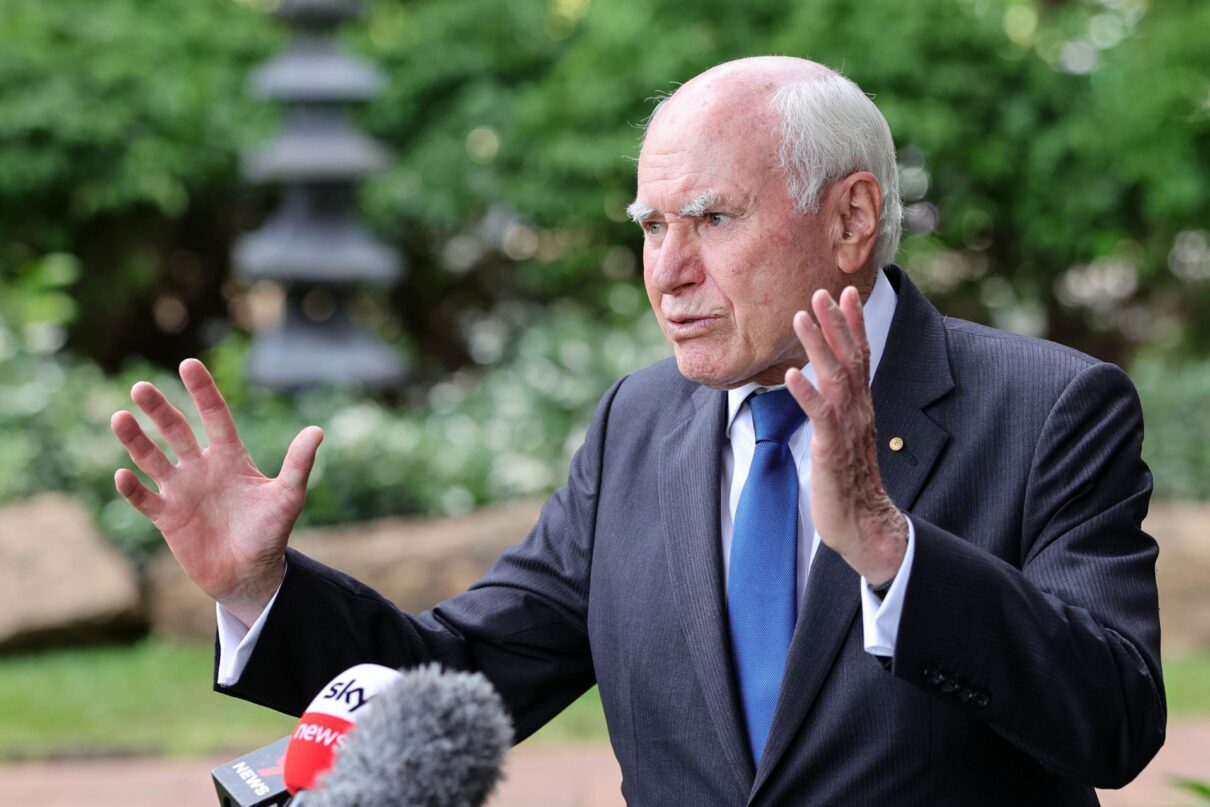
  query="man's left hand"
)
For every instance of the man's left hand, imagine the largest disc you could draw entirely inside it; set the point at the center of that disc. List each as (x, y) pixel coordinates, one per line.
(852, 511)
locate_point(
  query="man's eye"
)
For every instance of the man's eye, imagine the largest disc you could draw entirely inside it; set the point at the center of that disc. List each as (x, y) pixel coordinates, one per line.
(716, 219)
(652, 227)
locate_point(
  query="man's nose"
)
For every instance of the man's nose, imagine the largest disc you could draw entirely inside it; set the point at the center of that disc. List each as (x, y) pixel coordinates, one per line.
(678, 262)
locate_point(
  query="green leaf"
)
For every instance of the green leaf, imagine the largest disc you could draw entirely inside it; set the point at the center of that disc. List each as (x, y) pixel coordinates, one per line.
(1194, 786)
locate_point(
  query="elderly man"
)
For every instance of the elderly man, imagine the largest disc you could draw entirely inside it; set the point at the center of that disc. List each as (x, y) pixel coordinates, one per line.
(932, 589)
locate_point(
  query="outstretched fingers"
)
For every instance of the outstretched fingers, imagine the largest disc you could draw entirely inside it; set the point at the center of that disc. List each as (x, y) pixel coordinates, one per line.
(216, 416)
(167, 418)
(145, 501)
(807, 394)
(854, 314)
(844, 333)
(834, 340)
(830, 376)
(300, 457)
(146, 454)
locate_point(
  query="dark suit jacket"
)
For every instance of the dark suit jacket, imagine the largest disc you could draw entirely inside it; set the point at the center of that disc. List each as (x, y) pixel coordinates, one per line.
(1027, 665)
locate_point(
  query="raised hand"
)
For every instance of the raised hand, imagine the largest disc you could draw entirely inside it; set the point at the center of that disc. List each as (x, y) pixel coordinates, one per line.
(852, 511)
(225, 521)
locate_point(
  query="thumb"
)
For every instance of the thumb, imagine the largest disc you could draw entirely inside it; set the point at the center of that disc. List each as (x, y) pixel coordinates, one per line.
(300, 457)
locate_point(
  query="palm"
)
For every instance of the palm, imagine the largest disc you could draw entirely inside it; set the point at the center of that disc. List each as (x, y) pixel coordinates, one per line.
(225, 521)
(222, 515)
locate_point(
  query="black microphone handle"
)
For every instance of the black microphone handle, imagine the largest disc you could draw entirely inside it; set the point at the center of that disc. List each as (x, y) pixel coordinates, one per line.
(254, 779)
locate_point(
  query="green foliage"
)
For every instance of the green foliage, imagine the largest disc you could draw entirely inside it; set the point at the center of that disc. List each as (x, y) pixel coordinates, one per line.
(158, 696)
(1195, 787)
(120, 122)
(116, 106)
(477, 437)
(1053, 153)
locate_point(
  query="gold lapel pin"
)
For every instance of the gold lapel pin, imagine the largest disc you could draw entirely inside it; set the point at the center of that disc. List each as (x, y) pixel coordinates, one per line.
(896, 443)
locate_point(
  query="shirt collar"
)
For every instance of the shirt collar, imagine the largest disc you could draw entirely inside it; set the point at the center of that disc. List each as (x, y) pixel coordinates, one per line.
(879, 310)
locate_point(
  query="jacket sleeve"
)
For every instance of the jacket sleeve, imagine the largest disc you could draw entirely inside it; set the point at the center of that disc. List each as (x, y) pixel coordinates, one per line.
(1061, 655)
(523, 625)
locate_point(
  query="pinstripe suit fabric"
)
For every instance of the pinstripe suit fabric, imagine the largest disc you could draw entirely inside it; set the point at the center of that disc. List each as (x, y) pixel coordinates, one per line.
(1027, 664)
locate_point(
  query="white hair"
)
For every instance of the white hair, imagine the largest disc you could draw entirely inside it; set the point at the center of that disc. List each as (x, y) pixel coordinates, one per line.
(830, 129)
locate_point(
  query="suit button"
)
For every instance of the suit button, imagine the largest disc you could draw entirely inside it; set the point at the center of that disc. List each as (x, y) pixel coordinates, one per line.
(982, 699)
(932, 676)
(949, 685)
(966, 695)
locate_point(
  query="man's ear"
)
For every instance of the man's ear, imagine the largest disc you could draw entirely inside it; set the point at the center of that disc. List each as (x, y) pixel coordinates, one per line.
(856, 204)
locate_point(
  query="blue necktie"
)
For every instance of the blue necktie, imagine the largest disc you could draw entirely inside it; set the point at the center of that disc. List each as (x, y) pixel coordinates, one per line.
(761, 601)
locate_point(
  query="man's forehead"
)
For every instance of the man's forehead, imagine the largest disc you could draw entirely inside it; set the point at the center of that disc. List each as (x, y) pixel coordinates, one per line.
(669, 179)
(726, 145)
(715, 131)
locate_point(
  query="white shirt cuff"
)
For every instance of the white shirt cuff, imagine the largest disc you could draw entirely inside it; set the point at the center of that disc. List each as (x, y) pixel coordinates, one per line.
(880, 618)
(236, 641)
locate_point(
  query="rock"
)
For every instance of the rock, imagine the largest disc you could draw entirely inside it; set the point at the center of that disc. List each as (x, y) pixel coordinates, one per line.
(414, 563)
(61, 583)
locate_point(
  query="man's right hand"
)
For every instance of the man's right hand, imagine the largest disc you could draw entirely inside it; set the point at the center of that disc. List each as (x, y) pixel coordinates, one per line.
(225, 521)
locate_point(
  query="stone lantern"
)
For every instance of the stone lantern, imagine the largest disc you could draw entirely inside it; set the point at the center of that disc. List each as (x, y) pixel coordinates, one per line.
(313, 245)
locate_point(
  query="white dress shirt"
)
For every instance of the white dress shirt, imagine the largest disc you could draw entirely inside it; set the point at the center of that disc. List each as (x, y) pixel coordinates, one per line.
(880, 619)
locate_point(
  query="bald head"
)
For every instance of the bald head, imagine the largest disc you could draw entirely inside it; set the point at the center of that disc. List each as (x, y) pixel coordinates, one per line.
(734, 94)
(744, 83)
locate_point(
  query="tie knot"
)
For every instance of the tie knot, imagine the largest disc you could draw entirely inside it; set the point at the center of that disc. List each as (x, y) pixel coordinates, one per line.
(775, 416)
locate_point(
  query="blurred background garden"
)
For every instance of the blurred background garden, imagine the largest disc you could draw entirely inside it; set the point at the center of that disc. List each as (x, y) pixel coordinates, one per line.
(1054, 159)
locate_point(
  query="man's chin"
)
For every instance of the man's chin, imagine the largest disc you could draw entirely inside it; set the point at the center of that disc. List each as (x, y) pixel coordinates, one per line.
(705, 373)
(703, 368)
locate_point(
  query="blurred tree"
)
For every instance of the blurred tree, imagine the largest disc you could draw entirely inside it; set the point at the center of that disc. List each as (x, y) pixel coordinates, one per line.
(1053, 154)
(119, 126)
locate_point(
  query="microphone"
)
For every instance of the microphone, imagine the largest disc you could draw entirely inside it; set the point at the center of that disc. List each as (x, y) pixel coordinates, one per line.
(433, 739)
(268, 776)
(322, 730)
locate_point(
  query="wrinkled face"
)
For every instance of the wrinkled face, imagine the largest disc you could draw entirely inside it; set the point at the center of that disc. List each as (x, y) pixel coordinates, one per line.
(727, 260)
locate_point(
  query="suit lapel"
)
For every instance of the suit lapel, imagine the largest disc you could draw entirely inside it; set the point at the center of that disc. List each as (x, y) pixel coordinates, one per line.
(913, 373)
(689, 511)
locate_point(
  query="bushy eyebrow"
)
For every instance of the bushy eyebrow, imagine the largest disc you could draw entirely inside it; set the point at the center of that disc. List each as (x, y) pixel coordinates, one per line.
(639, 212)
(701, 204)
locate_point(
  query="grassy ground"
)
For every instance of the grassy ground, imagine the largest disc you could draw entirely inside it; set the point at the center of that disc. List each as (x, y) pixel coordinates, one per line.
(1187, 683)
(155, 698)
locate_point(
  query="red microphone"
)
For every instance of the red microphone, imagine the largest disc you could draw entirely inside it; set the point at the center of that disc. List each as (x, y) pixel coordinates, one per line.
(321, 731)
